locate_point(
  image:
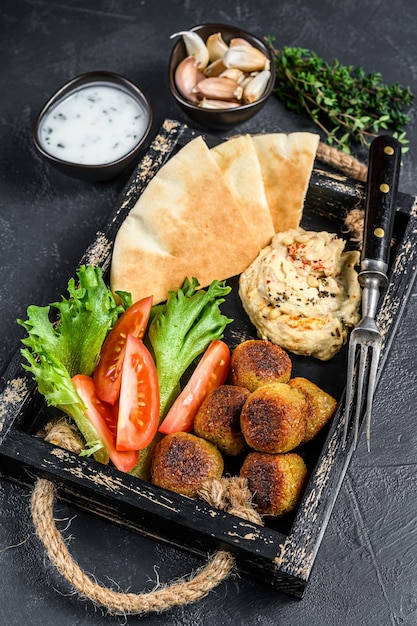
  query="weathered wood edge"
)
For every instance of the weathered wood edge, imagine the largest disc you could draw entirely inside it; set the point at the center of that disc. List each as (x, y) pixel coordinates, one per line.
(302, 543)
(142, 507)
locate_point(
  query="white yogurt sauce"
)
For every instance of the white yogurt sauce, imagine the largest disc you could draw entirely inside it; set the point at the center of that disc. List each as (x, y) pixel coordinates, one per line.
(98, 123)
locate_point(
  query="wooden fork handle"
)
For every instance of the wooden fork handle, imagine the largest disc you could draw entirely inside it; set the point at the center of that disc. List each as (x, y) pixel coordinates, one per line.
(381, 198)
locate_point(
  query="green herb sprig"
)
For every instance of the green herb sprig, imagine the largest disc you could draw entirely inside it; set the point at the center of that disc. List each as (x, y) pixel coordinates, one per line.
(348, 104)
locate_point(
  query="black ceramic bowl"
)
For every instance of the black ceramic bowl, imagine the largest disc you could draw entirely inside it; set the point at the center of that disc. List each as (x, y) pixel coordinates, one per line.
(219, 119)
(101, 126)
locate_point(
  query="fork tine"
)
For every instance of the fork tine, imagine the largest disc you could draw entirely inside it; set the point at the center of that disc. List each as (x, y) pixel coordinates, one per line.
(349, 389)
(371, 387)
(359, 385)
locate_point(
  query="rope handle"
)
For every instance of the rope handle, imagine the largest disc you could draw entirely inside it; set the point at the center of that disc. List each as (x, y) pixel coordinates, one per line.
(181, 592)
(351, 167)
(346, 163)
(228, 494)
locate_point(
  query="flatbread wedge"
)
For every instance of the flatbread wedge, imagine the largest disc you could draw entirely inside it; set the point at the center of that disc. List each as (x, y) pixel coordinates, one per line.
(239, 164)
(286, 162)
(186, 223)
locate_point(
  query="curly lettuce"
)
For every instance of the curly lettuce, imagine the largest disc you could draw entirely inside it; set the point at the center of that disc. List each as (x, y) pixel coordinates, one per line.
(70, 344)
(180, 330)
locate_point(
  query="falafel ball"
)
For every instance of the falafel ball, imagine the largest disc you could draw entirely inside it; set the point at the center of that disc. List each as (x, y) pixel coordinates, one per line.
(256, 362)
(218, 419)
(275, 481)
(182, 462)
(320, 406)
(274, 418)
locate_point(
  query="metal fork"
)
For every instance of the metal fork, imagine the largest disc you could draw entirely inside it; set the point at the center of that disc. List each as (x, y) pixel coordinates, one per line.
(366, 339)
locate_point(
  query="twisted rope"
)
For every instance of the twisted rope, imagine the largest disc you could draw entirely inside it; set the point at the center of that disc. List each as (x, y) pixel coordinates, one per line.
(179, 593)
(228, 494)
(346, 163)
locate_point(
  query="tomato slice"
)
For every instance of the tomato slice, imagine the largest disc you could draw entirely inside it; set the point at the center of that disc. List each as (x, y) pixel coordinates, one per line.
(104, 418)
(210, 373)
(108, 370)
(139, 398)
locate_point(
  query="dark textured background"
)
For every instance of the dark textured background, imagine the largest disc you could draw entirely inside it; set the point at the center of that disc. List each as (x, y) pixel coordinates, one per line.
(366, 567)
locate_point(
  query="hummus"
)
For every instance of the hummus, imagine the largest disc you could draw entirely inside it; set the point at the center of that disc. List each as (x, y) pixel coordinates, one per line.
(302, 292)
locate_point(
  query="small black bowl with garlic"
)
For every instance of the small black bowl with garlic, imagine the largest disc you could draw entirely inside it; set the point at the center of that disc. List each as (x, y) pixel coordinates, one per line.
(220, 75)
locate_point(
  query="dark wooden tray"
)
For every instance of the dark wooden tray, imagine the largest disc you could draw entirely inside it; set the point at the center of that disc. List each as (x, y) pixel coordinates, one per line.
(282, 552)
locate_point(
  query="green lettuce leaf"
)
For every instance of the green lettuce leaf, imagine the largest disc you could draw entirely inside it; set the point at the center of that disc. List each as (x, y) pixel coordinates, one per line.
(55, 384)
(182, 329)
(179, 332)
(70, 344)
(82, 323)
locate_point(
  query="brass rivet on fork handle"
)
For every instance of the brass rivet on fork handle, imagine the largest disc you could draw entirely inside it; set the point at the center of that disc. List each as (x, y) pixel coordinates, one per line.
(366, 339)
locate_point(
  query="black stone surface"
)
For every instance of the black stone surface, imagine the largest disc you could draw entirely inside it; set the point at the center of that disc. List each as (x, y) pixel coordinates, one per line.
(366, 568)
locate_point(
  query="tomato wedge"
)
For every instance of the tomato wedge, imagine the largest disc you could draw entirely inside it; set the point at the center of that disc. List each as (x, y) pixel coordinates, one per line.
(210, 373)
(139, 397)
(107, 372)
(104, 418)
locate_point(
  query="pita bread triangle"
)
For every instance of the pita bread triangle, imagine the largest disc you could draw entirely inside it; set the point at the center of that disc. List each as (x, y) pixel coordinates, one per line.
(241, 170)
(185, 223)
(286, 162)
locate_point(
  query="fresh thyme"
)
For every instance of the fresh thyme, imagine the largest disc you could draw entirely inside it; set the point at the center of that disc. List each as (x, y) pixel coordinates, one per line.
(348, 104)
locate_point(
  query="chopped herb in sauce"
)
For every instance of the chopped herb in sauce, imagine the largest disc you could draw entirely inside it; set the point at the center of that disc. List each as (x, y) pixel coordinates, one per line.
(93, 125)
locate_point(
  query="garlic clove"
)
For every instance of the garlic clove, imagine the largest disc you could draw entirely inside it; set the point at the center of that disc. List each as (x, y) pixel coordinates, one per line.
(206, 103)
(218, 89)
(216, 46)
(246, 58)
(239, 41)
(186, 77)
(247, 79)
(234, 74)
(195, 47)
(215, 68)
(256, 87)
